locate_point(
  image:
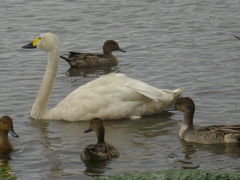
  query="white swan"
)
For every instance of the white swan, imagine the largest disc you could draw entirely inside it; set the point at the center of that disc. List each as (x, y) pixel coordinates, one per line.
(112, 96)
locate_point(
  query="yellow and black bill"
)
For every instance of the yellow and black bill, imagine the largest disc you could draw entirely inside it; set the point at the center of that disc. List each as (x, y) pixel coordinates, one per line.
(32, 44)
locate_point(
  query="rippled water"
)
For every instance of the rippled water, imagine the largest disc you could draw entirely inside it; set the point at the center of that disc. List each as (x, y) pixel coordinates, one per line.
(170, 44)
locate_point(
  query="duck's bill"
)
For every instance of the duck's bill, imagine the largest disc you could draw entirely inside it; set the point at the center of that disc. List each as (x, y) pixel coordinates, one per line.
(12, 132)
(121, 50)
(87, 131)
(29, 46)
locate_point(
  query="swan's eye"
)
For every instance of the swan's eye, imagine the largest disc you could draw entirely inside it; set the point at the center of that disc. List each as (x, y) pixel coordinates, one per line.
(35, 41)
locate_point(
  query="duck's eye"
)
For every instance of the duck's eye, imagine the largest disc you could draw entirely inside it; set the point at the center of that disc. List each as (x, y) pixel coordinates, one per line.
(39, 38)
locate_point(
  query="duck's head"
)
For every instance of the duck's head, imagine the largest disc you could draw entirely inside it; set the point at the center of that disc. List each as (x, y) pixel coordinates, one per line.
(110, 46)
(46, 41)
(95, 125)
(185, 104)
(6, 125)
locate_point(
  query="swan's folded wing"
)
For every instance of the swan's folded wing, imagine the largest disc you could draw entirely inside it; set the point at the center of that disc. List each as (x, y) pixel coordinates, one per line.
(154, 93)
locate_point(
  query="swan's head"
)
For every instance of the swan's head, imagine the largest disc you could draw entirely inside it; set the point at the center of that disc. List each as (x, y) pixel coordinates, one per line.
(46, 41)
(185, 104)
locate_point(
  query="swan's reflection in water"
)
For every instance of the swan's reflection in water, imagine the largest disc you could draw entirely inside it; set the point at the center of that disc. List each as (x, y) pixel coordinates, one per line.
(146, 127)
(47, 139)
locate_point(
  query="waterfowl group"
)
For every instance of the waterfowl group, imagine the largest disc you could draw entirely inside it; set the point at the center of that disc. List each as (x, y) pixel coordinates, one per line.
(6, 126)
(111, 96)
(217, 134)
(86, 60)
(101, 150)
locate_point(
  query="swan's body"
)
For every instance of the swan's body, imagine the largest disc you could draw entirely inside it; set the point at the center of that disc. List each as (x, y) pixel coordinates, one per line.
(206, 135)
(88, 60)
(102, 150)
(111, 96)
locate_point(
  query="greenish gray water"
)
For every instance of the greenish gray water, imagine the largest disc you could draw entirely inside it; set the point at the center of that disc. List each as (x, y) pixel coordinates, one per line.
(170, 44)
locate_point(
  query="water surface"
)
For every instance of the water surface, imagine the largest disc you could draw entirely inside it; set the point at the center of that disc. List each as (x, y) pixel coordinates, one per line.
(170, 44)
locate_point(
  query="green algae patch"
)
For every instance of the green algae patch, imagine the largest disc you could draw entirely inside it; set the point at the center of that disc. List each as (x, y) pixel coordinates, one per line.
(195, 174)
(5, 175)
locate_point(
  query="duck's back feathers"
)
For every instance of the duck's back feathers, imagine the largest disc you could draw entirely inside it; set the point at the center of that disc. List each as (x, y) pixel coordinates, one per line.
(99, 152)
(218, 134)
(85, 56)
(84, 60)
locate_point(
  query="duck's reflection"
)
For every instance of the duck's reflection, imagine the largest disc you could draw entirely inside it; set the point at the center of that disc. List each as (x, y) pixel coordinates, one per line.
(84, 72)
(189, 149)
(96, 168)
(232, 150)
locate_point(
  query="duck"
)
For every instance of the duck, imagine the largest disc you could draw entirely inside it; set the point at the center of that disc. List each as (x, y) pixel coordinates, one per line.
(216, 134)
(101, 151)
(108, 97)
(87, 60)
(6, 126)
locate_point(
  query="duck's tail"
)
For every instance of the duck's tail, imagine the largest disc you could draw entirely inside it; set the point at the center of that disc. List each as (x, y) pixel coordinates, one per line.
(66, 59)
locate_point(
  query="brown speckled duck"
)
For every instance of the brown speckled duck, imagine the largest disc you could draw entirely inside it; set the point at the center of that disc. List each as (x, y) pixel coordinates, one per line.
(206, 135)
(102, 150)
(6, 125)
(82, 60)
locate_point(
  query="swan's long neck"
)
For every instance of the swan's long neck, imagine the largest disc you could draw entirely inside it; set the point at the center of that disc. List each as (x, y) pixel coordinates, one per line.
(39, 108)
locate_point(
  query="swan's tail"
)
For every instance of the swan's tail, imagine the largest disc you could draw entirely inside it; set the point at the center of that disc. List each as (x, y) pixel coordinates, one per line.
(178, 92)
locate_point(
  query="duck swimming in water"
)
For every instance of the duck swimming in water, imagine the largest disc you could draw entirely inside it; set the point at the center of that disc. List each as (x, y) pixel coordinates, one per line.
(102, 150)
(86, 60)
(111, 96)
(6, 126)
(206, 135)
